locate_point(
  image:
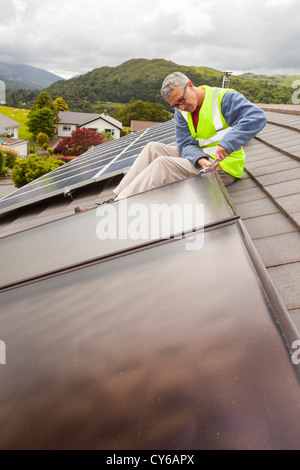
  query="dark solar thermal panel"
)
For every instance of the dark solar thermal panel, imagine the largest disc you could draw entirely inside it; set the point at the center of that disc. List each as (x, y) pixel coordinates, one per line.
(43, 244)
(148, 351)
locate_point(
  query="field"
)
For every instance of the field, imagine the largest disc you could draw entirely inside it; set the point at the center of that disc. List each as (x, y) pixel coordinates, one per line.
(99, 106)
(20, 116)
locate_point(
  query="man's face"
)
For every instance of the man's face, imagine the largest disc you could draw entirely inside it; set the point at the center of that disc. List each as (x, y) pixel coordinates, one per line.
(183, 98)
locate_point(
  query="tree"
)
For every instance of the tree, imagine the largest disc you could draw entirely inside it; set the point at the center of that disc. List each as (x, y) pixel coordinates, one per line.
(79, 142)
(142, 111)
(265, 96)
(41, 120)
(42, 139)
(43, 100)
(9, 156)
(27, 170)
(60, 105)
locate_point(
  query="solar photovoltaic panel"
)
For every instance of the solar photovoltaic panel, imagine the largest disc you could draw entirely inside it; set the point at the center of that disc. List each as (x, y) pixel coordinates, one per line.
(98, 163)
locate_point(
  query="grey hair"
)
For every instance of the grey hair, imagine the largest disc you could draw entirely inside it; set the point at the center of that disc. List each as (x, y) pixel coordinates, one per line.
(171, 81)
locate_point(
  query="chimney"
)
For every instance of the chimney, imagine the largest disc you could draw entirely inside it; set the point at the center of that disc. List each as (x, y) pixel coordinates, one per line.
(226, 79)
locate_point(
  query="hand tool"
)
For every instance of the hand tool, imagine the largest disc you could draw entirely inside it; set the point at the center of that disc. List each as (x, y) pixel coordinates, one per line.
(209, 168)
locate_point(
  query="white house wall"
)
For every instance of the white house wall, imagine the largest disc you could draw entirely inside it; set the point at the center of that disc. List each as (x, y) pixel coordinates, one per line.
(102, 126)
(20, 147)
(65, 130)
(99, 125)
(14, 132)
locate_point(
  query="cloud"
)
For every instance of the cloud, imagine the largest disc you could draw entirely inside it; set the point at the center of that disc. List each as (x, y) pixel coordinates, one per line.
(278, 3)
(20, 5)
(75, 36)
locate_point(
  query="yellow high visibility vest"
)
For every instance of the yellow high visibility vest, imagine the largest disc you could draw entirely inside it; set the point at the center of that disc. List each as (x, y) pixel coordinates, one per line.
(212, 127)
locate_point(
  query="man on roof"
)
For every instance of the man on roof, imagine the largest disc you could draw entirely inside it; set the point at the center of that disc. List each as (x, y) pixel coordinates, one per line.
(212, 125)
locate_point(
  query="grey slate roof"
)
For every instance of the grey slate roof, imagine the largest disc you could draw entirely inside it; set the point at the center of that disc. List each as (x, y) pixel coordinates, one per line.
(10, 141)
(79, 119)
(136, 126)
(7, 123)
(268, 200)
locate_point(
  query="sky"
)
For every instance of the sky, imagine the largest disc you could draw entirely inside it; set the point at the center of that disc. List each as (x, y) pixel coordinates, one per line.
(73, 37)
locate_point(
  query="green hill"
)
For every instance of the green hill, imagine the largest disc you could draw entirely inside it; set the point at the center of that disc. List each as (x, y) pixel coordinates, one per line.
(136, 79)
(282, 80)
(141, 79)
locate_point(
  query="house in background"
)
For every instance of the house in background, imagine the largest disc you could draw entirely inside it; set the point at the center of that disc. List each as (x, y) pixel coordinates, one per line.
(9, 135)
(70, 121)
(136, 126)
(9, 127)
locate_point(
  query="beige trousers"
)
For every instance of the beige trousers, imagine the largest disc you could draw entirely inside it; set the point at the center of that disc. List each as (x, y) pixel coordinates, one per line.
(157, 165)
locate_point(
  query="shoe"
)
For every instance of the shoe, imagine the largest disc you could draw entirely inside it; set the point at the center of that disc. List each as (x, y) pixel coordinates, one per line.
(84, 209)
(108, 201)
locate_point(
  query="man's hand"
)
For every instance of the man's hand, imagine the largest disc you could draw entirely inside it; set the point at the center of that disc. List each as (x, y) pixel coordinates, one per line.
(221, 154)
(204, 163)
